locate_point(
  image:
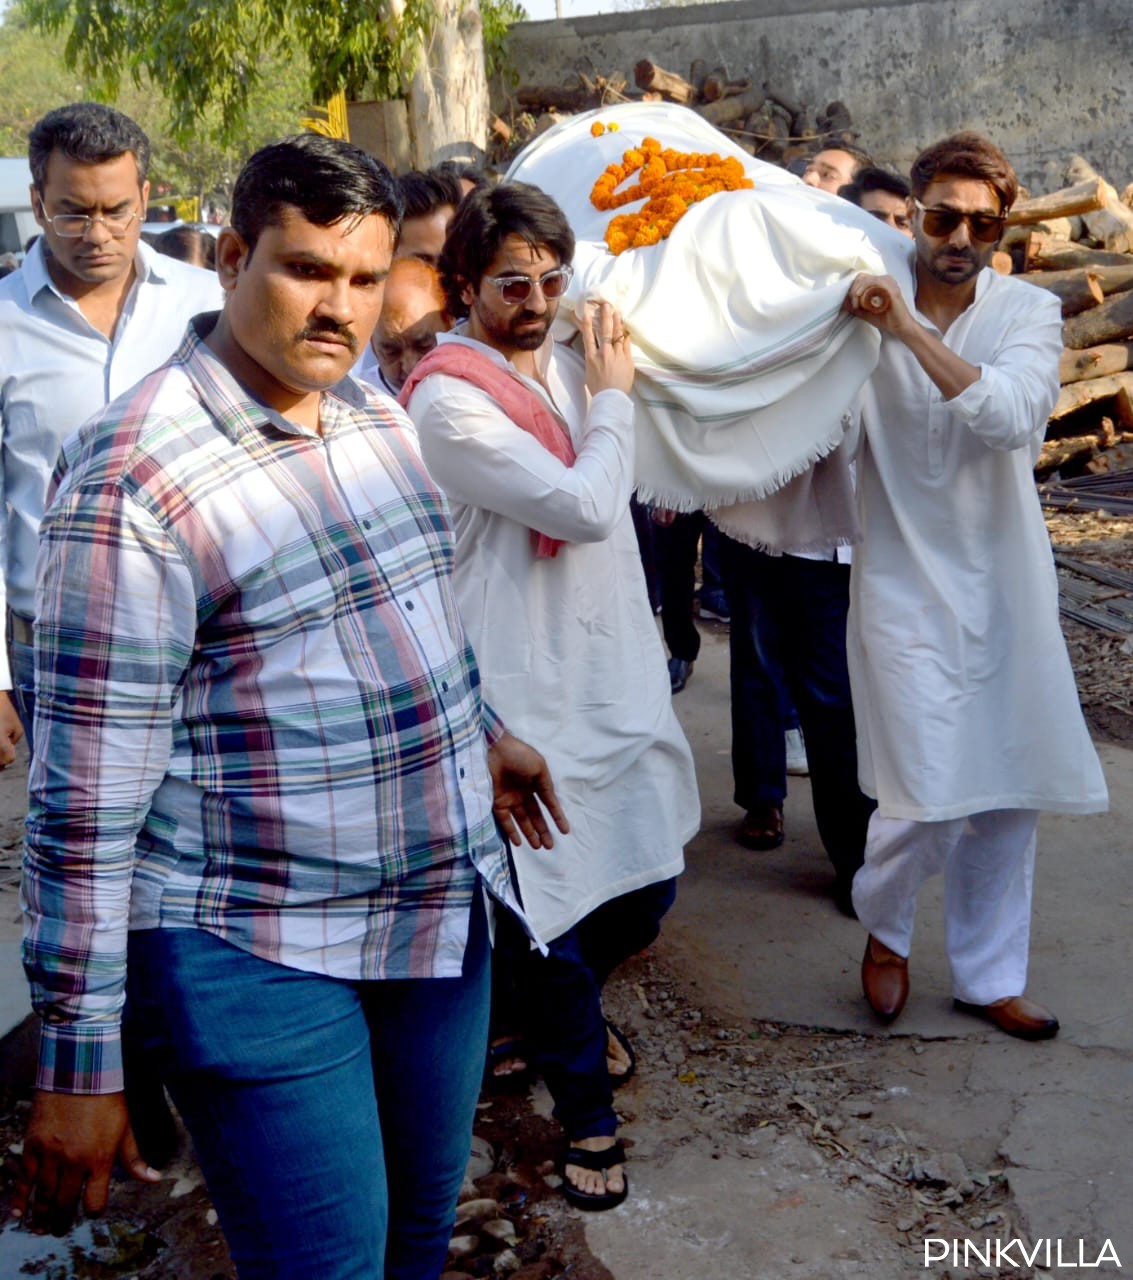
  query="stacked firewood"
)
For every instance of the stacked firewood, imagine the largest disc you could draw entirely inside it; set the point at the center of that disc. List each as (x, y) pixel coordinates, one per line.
(762, 120)
(1078, 243)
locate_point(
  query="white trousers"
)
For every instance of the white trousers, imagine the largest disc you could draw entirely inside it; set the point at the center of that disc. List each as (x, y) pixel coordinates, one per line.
(988, 861)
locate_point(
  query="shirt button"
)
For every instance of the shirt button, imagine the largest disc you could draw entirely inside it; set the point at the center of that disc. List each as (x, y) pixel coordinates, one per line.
(462, 773)
(367, 524)
(444, 686)
(409, 605)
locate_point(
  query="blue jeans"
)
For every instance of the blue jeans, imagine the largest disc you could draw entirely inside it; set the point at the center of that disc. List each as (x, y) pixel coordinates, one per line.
(21, 661)
(332, 1119)
(789, 616)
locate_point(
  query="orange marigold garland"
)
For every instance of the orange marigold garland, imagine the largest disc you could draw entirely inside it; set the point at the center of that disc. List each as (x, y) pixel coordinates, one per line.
(671, 181)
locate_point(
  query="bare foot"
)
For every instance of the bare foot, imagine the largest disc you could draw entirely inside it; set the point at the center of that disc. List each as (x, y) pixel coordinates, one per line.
(593, 1182)
(512, 1064)
(618, 1061)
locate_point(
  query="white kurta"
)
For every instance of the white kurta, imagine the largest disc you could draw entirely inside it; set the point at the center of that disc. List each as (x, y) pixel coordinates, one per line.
(567, 647)
(963, 691)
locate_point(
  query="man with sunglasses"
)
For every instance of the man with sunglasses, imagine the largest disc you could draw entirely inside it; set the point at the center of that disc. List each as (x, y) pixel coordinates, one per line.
(91, 311)
(533, 446)
(968, 717)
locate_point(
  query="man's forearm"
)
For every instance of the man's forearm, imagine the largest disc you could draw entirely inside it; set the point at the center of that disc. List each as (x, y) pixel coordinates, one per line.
(951, 373)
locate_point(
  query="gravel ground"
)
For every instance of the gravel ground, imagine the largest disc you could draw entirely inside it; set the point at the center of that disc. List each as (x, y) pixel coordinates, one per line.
(1101, 661)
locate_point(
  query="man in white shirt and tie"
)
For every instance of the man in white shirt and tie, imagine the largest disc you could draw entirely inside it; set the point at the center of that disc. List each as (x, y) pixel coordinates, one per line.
(90, 312)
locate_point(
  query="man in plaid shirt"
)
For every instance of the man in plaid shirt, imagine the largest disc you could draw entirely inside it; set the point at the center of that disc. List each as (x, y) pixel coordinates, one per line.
(265, 792)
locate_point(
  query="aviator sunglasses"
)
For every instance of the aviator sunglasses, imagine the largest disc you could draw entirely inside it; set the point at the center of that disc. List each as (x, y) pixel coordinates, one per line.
(515, 290)
(987, 227)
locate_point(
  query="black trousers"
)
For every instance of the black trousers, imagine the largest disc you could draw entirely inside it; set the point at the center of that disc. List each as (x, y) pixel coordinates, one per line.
(789, 617)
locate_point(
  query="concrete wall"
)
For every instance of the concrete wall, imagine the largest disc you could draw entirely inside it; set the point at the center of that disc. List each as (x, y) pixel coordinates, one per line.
(1043, 78)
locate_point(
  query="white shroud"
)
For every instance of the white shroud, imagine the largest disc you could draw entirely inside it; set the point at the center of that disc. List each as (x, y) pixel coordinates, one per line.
(747, 365)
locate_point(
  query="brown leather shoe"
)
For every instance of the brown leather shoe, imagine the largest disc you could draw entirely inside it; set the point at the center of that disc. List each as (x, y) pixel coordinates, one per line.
(762, 828)
(1016, 1015)
(885, 979)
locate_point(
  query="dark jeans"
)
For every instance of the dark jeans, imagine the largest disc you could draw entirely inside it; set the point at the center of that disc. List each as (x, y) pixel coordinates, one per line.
(21, 662)
(789, 615)
(676, 547)
(332, 1119)
(560, 1000)
(710, 579)
(644, 527)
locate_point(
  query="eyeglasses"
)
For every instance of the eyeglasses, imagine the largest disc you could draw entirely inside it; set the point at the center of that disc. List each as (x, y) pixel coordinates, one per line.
(515, 290)
(73, 225)
(987, 227)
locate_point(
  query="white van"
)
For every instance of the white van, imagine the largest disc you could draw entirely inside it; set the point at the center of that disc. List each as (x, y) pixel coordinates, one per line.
(17, 225)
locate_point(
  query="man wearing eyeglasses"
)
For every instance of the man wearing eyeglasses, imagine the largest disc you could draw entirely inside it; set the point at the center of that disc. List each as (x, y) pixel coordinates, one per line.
(90, 312)
(533, 446)
(968, 718)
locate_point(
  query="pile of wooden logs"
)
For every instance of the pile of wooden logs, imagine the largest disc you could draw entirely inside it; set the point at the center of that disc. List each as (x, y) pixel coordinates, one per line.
(1078, 243)
(760, 119)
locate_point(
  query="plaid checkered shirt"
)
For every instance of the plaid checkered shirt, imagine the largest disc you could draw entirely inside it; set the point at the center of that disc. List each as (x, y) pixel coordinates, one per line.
(258, 713)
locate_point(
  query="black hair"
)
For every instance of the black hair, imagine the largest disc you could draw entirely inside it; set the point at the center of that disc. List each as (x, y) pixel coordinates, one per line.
(326, 179)
(464, 171)
(188, 244)
(874, 179)
(89, 132)
(485, 218)
(423, 191)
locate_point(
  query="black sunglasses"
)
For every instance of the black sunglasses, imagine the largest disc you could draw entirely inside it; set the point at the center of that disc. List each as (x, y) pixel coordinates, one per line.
(515, 290)
(987, 227)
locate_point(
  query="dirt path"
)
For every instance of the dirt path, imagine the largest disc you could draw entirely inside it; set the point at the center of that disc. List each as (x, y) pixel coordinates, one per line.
(772, 1131)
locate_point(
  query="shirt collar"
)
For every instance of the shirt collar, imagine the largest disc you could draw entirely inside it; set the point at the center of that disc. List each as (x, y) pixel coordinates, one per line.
(458, 335)
(148, 268)
(236, 408)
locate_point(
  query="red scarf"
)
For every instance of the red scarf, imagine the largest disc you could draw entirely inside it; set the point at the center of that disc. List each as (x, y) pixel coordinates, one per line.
(528, 410)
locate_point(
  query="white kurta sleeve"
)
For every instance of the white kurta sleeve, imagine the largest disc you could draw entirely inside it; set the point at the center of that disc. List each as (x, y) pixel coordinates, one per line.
(479, 457)
(1007, 408)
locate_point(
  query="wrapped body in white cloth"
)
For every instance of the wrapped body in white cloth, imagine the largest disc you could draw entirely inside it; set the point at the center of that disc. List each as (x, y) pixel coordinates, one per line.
(747, 364)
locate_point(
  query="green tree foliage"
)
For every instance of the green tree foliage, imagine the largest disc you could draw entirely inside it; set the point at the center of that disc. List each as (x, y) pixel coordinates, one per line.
(204, 162)
(214, 55)
(213, 60)
(497, 17)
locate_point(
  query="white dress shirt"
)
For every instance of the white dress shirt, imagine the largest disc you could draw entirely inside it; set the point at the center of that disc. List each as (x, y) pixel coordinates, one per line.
(567, 646)
(963, 691)
(366, 369)
(56, 371)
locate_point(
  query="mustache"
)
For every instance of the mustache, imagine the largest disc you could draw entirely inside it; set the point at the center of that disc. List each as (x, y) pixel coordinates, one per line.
(328, 329)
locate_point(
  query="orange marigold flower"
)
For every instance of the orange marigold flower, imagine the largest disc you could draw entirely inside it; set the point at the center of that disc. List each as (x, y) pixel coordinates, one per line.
(670, 182)
(597, 129)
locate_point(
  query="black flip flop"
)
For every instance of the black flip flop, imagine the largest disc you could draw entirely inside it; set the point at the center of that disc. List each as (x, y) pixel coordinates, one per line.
(616, 1081)
(598, 1161)
(512, 1081)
